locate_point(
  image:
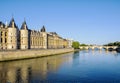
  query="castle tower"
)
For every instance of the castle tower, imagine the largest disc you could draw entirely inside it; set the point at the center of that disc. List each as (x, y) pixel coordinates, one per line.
(24, 36)
(12, 35)
(43, 31)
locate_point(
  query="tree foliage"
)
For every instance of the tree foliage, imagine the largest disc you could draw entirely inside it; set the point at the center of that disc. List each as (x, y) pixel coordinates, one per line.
(83, 45)
(75, 45)
(113, 44)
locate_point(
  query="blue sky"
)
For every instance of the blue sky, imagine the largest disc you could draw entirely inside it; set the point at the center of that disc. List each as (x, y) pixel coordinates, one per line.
(87, 21)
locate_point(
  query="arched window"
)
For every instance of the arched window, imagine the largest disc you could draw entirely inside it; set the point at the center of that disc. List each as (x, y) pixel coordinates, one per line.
(1, 33)
(5, 33)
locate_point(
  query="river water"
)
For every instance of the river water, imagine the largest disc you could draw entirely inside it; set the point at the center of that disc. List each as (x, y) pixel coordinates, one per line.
(83, 66)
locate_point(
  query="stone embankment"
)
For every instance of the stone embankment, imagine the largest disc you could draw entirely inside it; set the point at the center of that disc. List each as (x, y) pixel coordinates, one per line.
(26, 54)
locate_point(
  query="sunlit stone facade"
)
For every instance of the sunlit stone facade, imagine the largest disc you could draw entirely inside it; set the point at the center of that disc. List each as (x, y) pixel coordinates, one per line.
(11, 37)
(3, 36)
(37, 39)
(24, 36)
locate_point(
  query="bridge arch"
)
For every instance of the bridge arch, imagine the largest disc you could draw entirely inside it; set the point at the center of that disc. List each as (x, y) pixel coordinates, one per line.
(98, 47)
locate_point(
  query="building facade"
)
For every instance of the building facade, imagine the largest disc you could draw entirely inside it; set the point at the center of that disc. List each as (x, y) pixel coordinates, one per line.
(12, 38)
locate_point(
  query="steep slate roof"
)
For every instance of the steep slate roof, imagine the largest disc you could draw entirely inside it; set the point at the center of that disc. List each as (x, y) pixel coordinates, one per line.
(1, 23)
(54, 33)
(24, 25)
(10, 24)
(43, 29)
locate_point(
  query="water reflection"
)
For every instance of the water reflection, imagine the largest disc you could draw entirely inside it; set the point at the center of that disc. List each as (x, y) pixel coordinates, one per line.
(76, 55)
(29, 75)
(18, 76)
(86, 64)
(100, 51)
(3, 73)
(29, 71)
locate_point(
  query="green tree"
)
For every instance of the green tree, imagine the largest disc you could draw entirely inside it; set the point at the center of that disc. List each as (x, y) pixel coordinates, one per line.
(75, 45)
(113, 44)
(83, 45)
(110, 44)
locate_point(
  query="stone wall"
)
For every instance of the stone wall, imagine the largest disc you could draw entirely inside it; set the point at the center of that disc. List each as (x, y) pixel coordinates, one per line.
(25, 54)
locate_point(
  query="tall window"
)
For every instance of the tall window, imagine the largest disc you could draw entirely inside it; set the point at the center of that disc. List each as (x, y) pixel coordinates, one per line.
(5, 40)
(1, 40)
(1, 33)
(5, 33)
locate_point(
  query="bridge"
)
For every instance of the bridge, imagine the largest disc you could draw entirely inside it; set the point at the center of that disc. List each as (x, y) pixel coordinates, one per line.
(98, 47)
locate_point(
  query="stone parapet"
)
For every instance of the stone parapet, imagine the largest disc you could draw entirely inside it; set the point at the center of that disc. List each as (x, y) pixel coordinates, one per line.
(26, 54)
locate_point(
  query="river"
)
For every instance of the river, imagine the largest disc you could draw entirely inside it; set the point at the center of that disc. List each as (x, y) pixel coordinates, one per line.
(83, 66)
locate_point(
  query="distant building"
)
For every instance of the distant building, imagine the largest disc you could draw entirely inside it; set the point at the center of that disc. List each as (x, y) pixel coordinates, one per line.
(11, 37)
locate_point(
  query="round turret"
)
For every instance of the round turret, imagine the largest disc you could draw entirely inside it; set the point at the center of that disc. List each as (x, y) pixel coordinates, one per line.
(24, 36)
(12, 35)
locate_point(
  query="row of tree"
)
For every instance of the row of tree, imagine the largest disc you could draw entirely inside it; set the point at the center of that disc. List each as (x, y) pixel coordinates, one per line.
(76, 45)
(113, 44)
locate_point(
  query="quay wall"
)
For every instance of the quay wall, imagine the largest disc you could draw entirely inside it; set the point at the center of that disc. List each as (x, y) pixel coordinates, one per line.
(26, 54)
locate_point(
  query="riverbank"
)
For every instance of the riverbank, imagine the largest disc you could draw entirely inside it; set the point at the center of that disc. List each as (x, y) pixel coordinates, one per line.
(118, 49)
(27, 54)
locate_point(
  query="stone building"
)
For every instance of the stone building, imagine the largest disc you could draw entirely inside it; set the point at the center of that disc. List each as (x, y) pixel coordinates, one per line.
(3, 36)
(11, 37)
